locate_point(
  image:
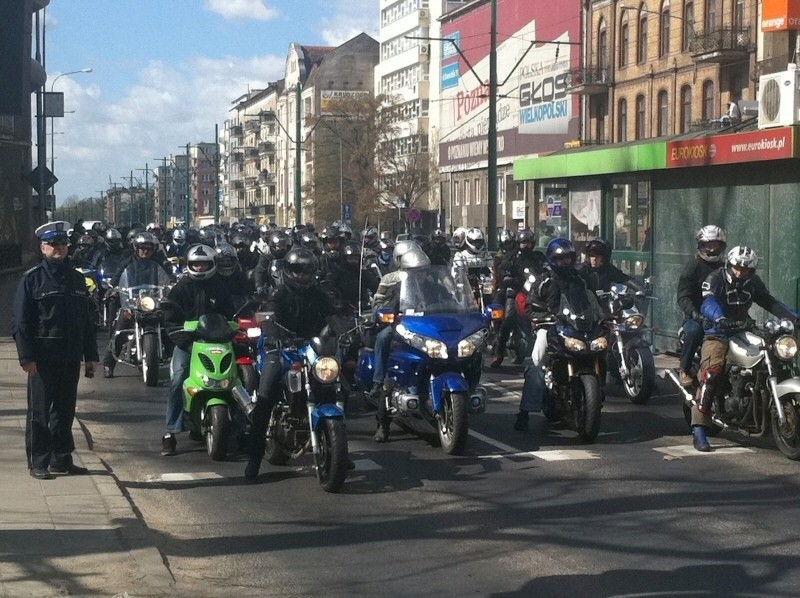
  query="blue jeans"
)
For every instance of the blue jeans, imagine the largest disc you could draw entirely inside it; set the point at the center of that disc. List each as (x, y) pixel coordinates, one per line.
(693, 334)
(179, 369)
(383, 346)
(532, 390)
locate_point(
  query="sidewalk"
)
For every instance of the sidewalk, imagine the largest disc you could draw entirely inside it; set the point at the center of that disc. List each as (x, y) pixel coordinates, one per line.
(73, 535)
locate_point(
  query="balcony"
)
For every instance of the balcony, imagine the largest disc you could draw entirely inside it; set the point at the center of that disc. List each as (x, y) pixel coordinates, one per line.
(252, 125)
(238, 185)
(720, 46)
(236, 131)
(590, 80)
(266, 147)
(266, 178)
(251, 181)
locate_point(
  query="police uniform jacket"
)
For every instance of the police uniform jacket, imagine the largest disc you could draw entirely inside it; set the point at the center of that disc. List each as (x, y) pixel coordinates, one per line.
(54, 316)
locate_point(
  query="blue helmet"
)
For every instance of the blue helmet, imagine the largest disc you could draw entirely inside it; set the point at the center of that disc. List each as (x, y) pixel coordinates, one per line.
(557, 248)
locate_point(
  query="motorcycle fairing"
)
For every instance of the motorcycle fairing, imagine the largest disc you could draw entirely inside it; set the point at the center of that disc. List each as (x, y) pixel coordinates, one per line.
(324, 411)
(788, 386)
(449, 381)
(404, 366)
(450, 329)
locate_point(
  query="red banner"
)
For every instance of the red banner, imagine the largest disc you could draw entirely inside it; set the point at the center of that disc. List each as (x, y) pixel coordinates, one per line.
(780, 15)
(753, 146)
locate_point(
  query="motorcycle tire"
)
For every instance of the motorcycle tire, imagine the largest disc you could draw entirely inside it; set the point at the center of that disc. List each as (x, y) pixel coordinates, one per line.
(589, 418)
(639, 387)
(150, 359)
(217, 433)
(249, 378)
(788, 437)
(454, 424)
(332, 460)
(275, 454)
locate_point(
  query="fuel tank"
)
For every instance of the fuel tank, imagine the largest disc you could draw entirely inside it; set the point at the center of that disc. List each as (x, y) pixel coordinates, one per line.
(745, 349)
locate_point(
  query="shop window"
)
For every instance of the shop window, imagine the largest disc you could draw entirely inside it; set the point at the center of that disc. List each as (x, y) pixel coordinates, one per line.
(585, 214)
(552, 218)
(632, 210)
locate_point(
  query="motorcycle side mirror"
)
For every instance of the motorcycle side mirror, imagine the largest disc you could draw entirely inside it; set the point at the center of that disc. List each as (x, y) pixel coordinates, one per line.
(494, 311)
(384, 315)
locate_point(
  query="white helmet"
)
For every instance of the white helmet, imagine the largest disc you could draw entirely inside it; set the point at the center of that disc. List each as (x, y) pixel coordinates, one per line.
(201, 254)
(474, 240)
(179, 236)
(711, 234)
(414, 258)
(459, 235)
(402, 248)
(743, 257)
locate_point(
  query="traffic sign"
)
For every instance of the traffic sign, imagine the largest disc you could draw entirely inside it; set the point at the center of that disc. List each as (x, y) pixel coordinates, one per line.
(347, 212)
(49, 178)
(414, 215)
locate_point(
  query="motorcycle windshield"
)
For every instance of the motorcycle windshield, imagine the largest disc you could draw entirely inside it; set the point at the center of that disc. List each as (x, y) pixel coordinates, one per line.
(435, 290)
(136, 282)
(579, 308)
(110, 266)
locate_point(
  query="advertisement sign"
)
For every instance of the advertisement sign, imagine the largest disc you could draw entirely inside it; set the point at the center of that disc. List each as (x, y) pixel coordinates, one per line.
(780, 15)
(535, 111)
(753, 146)
(328, 96)
(518, 209)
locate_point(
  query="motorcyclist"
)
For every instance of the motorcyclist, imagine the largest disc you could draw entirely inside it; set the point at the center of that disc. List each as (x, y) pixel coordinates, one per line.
(230, 272)
(388, 296)
(298, 306)
(265, 275)
(728, 294)
(599, 269)
(333, 240)
(560, 276)
(518, 262)
(459, 238)
(473, 256)
(261, 245)
(200, 292)
(89, 253)
(140, 269)
(439, 253)
(248, 259)
(179, 245)
(353, 285)
(711, 246)
(385, 258)
(371, 240)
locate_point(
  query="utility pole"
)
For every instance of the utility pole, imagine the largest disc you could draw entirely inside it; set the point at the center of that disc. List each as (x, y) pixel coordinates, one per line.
(216, 174)
(492, 145)
(116, 207)
(187, 210)
(103, 196)
(130, 196)
(298, 203)
(146, 193)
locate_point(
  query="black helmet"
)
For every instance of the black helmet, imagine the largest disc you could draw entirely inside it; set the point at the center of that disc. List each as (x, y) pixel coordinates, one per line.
(145, 241)
(113, 238)
(423, 240)
(298, 230)
(558, 248)
(332, 239)
(279, 244)
(309, 241)
(528, 238)
(352, 255)
(239, 241)
(438, 237)
(300, 269)
(508, 240)
(599, 247)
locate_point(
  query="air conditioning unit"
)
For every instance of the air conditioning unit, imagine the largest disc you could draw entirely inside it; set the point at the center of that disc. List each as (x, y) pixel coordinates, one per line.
(779, 98)
(423, 14)
(424, 49)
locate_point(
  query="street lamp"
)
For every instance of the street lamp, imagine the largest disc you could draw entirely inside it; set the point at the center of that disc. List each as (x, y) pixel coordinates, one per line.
(52, 148)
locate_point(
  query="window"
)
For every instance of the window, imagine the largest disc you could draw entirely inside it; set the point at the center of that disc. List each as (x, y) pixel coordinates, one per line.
(600, 112)
(624, 42)
(708, 100)
(640, 118)
(477, 192)
(688, 26)
(663, 46)
(602, 46)
(622, 121)
(641, 48)
(686, 109)
(738, 14)
(711, 15)
(456, 194)
(467, 193)
(663, 114)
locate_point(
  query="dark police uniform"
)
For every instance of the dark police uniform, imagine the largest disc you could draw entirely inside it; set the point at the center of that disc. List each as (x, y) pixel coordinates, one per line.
(53, 324)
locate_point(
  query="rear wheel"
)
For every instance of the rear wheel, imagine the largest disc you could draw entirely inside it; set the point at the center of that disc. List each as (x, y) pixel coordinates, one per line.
(217, 433)
(150, 359)
(589, 416)
(454, 423)
(788, 437)
(332, 459)
(642, 375)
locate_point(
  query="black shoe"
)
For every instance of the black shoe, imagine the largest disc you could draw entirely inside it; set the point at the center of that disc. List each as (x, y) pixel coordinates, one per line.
(498, 361)
(252, 467)
(521, 424)
(381, 435)
(699, 439)
(40, 473)
(108, 372)
(169, 445)
(70, 469)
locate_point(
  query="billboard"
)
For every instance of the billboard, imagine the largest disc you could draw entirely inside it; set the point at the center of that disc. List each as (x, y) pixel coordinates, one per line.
(750, 146)
(328, 97)
(535, 112)
(780, 15)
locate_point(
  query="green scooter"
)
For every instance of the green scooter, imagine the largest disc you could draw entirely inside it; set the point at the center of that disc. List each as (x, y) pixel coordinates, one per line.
(213, 393)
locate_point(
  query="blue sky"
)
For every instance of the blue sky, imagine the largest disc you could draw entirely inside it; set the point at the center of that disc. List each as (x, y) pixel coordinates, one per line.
(164, 72)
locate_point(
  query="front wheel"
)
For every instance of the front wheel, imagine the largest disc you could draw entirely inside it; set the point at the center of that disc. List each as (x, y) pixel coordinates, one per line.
(788, 437)
(150, 359)
(641, 375)
(590, 403)
(332, 458)
(217, 433)
(454, 424)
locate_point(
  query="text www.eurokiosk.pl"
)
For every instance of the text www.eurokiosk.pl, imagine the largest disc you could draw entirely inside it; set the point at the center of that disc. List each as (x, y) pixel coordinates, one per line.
(762, 144)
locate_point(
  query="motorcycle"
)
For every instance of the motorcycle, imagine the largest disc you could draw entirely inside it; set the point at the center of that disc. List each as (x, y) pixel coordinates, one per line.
(576, 347)
(435, 363)
(309, 415)
(142, 345)
(629, 348)
(213, 391)
(761, 385)
(107, 307)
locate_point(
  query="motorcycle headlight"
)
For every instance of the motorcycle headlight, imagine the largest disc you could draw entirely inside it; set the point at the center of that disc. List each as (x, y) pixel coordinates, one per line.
(573, 344)
(326, 369)
(431, 347)
(472, 343)
(147, 303)
(599, 344)
(634, 322)
(786, 348)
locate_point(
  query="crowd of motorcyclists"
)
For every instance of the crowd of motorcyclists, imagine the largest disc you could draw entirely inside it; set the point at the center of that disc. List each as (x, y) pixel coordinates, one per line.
(303, 276)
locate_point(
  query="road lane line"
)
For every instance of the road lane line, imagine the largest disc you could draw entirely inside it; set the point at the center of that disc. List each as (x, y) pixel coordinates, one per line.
(549, 455)
(687, 450)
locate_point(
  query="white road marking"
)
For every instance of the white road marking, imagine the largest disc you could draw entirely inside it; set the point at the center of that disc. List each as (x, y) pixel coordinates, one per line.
(550, 455)
(182, 477)
(687, 450)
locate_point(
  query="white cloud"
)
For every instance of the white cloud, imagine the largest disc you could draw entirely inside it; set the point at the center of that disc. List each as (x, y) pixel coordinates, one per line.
(242, 9)
(352, 17)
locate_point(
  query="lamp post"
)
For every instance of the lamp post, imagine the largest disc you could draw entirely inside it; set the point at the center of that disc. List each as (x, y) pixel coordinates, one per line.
(52, 147)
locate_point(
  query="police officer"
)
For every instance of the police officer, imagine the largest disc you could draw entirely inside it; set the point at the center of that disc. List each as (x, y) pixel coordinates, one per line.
(53, 324)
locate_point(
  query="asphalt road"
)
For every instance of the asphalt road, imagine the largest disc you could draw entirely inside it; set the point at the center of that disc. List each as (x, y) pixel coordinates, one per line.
(638, 513)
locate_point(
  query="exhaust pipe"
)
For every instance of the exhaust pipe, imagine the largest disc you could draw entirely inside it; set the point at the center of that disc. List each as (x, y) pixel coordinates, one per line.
(245, 402)
(687, 396)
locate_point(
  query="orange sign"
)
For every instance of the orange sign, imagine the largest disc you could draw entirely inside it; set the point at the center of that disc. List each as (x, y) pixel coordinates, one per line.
(780, 15)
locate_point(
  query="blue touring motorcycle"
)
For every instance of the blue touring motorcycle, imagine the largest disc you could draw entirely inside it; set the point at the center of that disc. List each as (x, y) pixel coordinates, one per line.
(436, 357)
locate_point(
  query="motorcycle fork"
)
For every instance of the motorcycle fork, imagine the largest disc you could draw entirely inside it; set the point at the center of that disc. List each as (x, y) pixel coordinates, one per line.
(310, 407)
(772, 382)
(137, 334)
(623, 365)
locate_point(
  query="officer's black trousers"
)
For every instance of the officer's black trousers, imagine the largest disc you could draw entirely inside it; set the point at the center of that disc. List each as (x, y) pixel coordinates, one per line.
(52, 394)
